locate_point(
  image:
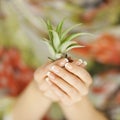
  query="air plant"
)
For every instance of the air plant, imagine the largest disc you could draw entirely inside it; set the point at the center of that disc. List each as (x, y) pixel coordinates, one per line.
(60, 41)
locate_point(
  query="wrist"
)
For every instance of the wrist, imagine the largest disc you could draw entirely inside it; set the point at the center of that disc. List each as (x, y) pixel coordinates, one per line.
(34, 89)
(83, 110)
(83, 106)
(29, 102)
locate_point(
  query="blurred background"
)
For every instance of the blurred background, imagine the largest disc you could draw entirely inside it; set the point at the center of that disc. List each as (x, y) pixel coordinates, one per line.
(22, 49)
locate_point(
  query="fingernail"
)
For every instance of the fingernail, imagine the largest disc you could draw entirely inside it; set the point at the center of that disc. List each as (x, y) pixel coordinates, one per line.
(48, 81)
(79, 62)
(55, 69)
(67, 65)
(85, 63)
(64, 62)
(49, 74)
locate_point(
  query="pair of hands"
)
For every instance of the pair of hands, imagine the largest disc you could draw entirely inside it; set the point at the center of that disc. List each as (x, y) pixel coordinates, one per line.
(63, 81)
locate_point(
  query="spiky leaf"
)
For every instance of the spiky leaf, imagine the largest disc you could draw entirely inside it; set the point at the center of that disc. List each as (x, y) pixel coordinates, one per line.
(59, 27)
(56, 40)
(64, 46)
(50, 28)
(59, 42)
(58, 55)
(68, 30)
(51, 49)
(73, 36)
(73, 46)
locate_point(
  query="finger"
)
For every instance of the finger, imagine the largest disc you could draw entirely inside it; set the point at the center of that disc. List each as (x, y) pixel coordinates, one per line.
(40, 73)
(80, 72)
(80, 62)
(60, 62)
(64, 86)
(61, 95)
(70, 79)
(44, 86)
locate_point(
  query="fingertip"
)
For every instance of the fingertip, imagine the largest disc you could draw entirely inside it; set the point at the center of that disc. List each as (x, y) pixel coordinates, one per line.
(68, 66)
(81, 62)
(85, 63)
(63, 62)
(48, 81)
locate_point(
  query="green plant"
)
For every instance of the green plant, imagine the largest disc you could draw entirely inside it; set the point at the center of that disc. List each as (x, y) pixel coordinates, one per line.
(59, 42)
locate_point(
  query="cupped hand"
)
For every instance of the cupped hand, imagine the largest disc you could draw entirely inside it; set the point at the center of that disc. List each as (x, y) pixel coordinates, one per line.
(41, 80)
(70, 83)
(64, 81)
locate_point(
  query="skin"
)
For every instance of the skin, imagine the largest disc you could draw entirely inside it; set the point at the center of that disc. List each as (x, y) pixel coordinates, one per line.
(68, 84)
(61, 81)
(32, 103)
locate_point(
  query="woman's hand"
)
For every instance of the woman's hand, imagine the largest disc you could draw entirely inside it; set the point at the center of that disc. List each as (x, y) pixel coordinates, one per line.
(32, 104)
(42, 83)
(67, 83)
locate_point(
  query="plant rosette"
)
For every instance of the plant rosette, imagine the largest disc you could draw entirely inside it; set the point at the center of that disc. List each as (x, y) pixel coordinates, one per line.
(61, 41)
